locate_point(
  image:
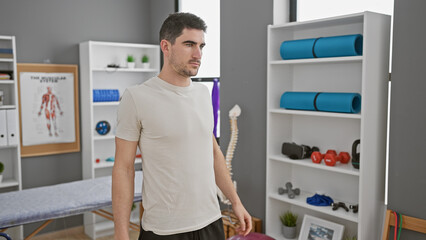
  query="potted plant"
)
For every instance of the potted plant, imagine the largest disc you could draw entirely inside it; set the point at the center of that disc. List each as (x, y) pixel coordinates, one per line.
(1, 171)
(134, 214)
(145, 61)
(289, 219)
(130, 61)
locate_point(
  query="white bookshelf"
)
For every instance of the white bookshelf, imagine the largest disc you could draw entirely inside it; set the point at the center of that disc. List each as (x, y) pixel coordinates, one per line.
(367, 75)
(94, 58)
(10, 153)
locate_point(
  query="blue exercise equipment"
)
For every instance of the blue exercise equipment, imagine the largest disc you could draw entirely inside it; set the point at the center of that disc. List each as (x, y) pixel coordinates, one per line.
(103, 127)
(339, 46)
(297, 49)
(322, 101)
(322, 47)
(319, 200)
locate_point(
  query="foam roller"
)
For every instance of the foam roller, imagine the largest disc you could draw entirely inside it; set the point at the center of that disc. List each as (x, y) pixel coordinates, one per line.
(297, 49)
(322, 101)
(298, 100)
(339, 46)
(335, 46)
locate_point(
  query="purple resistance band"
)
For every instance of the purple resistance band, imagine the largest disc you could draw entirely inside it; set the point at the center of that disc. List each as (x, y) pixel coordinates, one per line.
(216, 104)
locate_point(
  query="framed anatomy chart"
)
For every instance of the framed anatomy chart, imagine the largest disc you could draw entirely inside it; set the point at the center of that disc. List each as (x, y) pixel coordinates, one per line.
(48, 109)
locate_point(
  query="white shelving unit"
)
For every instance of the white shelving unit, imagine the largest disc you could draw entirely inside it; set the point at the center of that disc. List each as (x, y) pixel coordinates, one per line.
(10, 152)
(94, 58)
(367, 75)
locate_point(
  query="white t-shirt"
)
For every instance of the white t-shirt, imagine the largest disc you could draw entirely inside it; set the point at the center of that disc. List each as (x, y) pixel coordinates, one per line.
(174, 127)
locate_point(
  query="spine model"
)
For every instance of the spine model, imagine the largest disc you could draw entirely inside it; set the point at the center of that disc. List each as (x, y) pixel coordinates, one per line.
(234, 113)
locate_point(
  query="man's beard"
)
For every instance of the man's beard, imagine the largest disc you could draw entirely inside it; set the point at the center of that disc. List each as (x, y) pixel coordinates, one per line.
(183, 70)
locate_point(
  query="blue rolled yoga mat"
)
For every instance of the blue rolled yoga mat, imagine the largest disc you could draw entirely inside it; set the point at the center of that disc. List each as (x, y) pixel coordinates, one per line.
(322, 101)
(339, 46)
(336, 46)
(297, 49)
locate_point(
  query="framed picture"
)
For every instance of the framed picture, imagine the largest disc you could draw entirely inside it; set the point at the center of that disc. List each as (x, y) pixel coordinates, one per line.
(319, 229)
(48, 109)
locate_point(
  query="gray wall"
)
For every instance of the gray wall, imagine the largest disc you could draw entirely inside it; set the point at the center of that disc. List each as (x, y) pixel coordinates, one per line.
(407, 166)
(52, 29)
(243, 82)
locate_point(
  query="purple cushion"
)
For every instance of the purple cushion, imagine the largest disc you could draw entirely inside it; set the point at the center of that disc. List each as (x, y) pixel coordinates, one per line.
(251, 236)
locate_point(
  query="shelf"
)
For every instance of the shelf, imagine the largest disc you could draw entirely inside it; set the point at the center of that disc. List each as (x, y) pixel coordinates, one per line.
(123, 45)
(300, 200)
(7, 81)
(113, 70)
(6, 37)
(339, 168)
(8, 183)
(106, 137)
(7, 107)
(105, 164)
(316, 113)
(360, 74)
(95, 56)
(318, 60)
(8, 146)
(100, 104)
(279, 236)
(6, 59)
(325, 22)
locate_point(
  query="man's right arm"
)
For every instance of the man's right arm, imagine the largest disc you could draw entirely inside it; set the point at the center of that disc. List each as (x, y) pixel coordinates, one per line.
(123, 175)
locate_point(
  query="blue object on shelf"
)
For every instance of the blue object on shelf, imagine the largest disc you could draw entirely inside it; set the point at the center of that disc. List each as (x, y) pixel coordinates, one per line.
(297, 49)
(103, 127)
(110, 159)
(6, 50)
(339, 102)
(322, 101)
(298, 100)
(334, 46)
(319, 200)
(339, 46)
(106, 95)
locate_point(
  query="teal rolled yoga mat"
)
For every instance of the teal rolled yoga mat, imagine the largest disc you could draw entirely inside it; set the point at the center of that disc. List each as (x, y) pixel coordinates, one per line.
(339, 46)
(297, 49)
(322, 101)
(321, 47)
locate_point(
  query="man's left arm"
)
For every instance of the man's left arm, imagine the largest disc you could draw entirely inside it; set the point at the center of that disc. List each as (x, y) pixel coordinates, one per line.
(224, 182)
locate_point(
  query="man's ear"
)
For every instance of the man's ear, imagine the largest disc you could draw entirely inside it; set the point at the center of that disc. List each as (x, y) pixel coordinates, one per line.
(165, 46)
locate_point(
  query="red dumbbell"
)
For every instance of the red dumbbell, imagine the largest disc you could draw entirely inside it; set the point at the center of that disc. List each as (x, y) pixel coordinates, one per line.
(317, 156)
(330, 159)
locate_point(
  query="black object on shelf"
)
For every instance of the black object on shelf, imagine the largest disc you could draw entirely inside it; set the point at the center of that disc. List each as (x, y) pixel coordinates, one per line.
(295, 151)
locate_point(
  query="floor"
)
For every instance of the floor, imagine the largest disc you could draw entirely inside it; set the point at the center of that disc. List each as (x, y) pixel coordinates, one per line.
(76, 233)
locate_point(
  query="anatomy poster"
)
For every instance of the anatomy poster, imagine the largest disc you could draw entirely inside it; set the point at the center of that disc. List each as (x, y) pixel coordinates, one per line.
(47, 108)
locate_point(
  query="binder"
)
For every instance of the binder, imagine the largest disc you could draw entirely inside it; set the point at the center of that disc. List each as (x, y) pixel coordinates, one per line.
(12, 137)
(3, 128)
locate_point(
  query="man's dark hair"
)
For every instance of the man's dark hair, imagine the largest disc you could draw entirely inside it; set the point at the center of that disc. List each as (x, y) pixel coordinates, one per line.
(175, 23)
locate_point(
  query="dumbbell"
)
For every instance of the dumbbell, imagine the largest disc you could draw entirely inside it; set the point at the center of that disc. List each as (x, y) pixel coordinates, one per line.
(330, 157)
(289, 189)
(317, 156)
(339, 205)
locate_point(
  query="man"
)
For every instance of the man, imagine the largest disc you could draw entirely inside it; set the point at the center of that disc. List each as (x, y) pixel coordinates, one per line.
(171, 120)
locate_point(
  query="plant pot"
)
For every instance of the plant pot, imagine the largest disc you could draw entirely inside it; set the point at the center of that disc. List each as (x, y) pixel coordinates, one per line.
(145, 65)
(131, 65)
(1, 178)
(288, 232)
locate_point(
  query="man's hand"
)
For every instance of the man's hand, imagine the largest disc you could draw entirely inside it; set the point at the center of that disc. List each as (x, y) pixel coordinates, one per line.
(243, 217)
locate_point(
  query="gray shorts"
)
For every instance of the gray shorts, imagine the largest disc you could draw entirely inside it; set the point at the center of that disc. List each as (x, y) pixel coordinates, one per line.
(214, 231)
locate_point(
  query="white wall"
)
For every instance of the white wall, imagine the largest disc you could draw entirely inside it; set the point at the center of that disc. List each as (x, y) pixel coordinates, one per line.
(209, 11)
